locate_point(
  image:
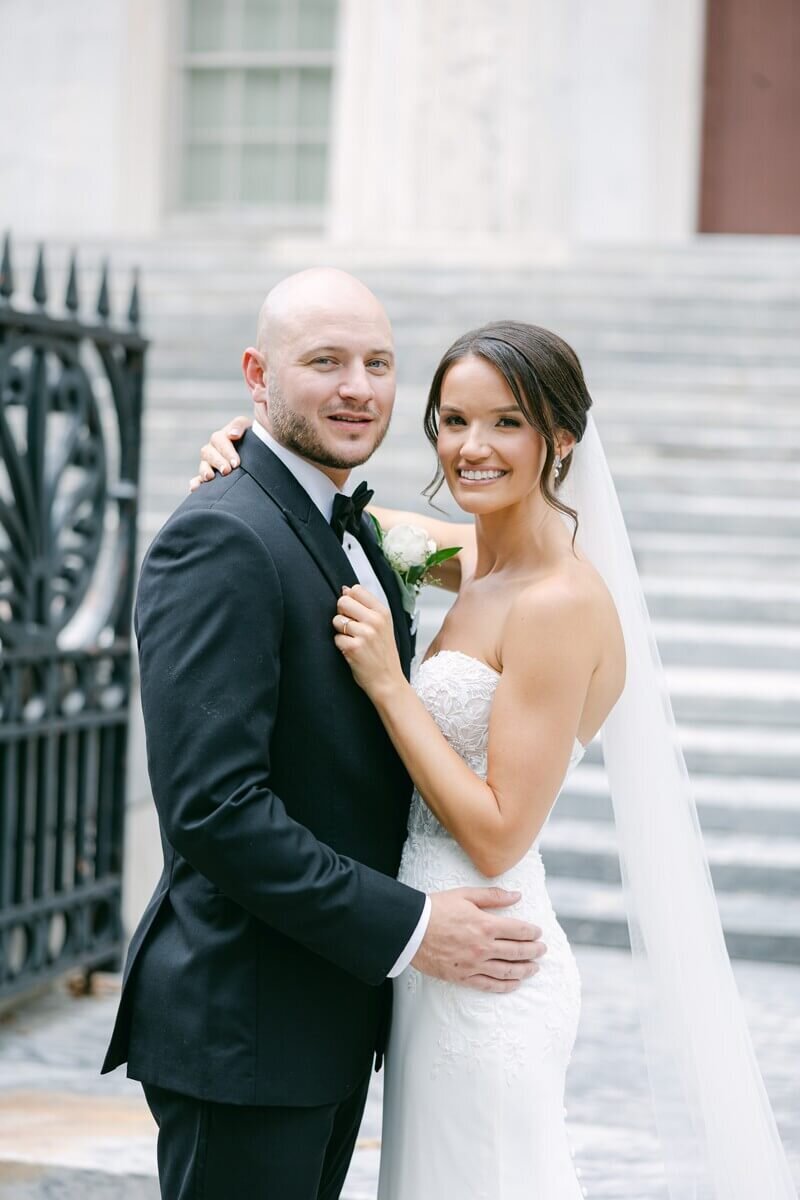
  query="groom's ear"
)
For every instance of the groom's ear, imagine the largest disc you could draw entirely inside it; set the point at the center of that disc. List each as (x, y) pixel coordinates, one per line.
(254, 367)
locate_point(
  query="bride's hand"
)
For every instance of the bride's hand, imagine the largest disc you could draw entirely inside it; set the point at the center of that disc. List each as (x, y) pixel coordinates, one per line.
(365, 636)
(219, 453)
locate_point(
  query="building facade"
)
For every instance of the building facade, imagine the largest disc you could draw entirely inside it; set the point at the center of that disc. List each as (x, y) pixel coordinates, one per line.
(444, 127)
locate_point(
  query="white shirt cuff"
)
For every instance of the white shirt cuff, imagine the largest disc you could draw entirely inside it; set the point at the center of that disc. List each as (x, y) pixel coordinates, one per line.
(414, 942)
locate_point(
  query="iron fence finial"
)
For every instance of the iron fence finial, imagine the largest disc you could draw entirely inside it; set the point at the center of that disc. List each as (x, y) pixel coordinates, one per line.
(133, 307)
(40, 280)
(71, 301)
(103, 303)
(6, 273)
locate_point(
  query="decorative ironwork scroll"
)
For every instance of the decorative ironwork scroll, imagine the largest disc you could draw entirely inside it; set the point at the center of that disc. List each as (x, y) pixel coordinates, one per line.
(70, 426)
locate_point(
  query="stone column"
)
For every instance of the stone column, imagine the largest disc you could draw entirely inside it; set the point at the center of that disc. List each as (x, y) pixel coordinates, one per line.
(515, 126)
(437, 127)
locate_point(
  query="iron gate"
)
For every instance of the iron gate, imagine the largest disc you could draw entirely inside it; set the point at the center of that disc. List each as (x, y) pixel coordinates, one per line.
(70, 423)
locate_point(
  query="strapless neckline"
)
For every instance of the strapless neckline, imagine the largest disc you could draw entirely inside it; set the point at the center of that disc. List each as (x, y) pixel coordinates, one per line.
(461, 654)
(492, 671)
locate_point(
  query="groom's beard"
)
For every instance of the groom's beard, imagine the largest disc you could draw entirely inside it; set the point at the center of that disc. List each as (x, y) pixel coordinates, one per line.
(296, 433)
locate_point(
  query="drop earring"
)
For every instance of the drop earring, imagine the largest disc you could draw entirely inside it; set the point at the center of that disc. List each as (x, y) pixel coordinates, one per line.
(557, 470)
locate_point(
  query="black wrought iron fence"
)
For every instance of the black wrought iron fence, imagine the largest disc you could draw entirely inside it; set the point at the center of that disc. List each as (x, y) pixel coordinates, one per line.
(70, 424)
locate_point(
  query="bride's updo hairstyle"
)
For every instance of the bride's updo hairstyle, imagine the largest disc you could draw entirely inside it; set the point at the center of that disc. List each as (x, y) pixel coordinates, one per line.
(545, 378)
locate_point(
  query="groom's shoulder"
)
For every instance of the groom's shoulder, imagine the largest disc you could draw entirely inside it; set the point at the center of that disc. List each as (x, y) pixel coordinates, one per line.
(230, 507)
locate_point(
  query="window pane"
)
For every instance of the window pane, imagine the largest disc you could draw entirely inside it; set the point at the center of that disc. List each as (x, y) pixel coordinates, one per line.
(316, 24)
(205, 25)
(313, 99)
(265, 26)
(262, 101)
(266, 175)
(204, 175)
(310, 183)
(207, 106)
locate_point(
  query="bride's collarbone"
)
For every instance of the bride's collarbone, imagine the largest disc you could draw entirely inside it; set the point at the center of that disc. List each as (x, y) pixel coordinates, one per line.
(475, 635)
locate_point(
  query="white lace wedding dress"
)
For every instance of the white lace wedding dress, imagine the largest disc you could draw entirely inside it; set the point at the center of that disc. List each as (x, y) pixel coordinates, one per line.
(474, 1088)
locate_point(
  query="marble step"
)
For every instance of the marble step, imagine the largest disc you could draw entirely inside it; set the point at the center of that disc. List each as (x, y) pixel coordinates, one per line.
(761, 647)
(738, 804)
(719, 560)
(739, 862)
(745, 516)
(715, 749)
(721, 283)
(751, 597)
(757, 927)
(733, 696)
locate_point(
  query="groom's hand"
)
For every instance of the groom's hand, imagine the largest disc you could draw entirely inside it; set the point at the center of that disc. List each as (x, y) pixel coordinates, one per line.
(467, 943)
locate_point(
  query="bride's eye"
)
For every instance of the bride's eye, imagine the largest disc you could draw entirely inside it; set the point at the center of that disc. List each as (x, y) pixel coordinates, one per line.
(510, 422)
(453, 420)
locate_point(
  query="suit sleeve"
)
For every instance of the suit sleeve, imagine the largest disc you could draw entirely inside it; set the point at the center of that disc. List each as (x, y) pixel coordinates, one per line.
(209, 626)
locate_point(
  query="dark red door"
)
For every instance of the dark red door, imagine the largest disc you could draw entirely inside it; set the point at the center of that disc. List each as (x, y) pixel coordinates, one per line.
(751, 123)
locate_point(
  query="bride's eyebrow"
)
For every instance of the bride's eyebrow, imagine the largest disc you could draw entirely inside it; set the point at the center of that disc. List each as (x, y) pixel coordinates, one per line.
(504, 408)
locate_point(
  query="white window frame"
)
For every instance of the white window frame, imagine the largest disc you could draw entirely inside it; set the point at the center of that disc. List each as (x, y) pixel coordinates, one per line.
(181, 217)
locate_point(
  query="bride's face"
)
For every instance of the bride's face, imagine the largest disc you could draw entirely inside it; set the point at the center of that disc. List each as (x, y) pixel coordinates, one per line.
(491, 456)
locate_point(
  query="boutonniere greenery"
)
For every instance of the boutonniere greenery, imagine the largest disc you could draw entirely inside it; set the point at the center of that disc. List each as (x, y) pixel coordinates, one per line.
(412, 555)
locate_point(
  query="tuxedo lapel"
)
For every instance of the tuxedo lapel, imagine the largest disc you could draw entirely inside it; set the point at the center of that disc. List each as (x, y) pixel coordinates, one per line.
(308, 523)
(402, 621)
(300, 511)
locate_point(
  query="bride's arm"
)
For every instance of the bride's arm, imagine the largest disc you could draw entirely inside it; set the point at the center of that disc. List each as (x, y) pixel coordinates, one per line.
(548, 661)
(219, 455)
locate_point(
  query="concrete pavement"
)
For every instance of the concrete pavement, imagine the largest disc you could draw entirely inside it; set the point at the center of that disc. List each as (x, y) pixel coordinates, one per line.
(68, 1134)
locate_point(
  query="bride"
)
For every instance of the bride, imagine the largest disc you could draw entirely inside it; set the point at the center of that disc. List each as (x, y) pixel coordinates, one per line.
(530, 663)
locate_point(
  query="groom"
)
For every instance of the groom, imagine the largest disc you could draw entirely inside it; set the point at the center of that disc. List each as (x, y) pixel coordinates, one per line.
(256, 988)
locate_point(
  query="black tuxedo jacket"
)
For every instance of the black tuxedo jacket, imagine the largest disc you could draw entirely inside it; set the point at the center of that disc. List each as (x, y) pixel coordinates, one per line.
(257, 974)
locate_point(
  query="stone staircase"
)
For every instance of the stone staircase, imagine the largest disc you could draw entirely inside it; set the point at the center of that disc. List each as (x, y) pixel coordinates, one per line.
(693, 357)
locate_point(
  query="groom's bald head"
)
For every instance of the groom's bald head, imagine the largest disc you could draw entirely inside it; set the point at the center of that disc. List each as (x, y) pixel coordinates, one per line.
(318, 294)
(322, 371)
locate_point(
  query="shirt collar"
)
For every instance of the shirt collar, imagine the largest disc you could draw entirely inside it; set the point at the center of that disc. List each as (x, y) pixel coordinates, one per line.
(315, 482)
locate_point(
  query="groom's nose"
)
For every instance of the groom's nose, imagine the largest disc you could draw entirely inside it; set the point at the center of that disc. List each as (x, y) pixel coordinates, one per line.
(357, 384)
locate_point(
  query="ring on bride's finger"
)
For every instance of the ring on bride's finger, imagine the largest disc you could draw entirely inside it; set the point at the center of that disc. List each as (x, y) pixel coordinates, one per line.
(344, 627)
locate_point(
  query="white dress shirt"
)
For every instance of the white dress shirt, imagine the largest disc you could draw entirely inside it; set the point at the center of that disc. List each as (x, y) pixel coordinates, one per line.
(321, 489)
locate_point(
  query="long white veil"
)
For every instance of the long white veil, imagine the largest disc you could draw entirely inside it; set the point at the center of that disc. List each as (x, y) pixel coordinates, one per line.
(715, 1122)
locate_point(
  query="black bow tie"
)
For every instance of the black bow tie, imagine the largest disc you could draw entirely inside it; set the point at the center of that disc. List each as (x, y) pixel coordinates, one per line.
(347, 510)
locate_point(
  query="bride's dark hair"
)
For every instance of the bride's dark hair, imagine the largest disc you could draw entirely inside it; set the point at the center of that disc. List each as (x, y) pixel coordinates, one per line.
(545, 378)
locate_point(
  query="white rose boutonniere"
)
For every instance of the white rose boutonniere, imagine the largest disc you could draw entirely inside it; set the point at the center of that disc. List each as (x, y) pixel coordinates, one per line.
(411, 554)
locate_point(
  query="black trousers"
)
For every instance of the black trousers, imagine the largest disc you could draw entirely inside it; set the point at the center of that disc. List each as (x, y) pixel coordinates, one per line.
(209, 1151)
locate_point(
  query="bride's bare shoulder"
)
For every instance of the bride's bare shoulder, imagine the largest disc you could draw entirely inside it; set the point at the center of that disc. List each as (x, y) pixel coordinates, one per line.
(571, 600)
